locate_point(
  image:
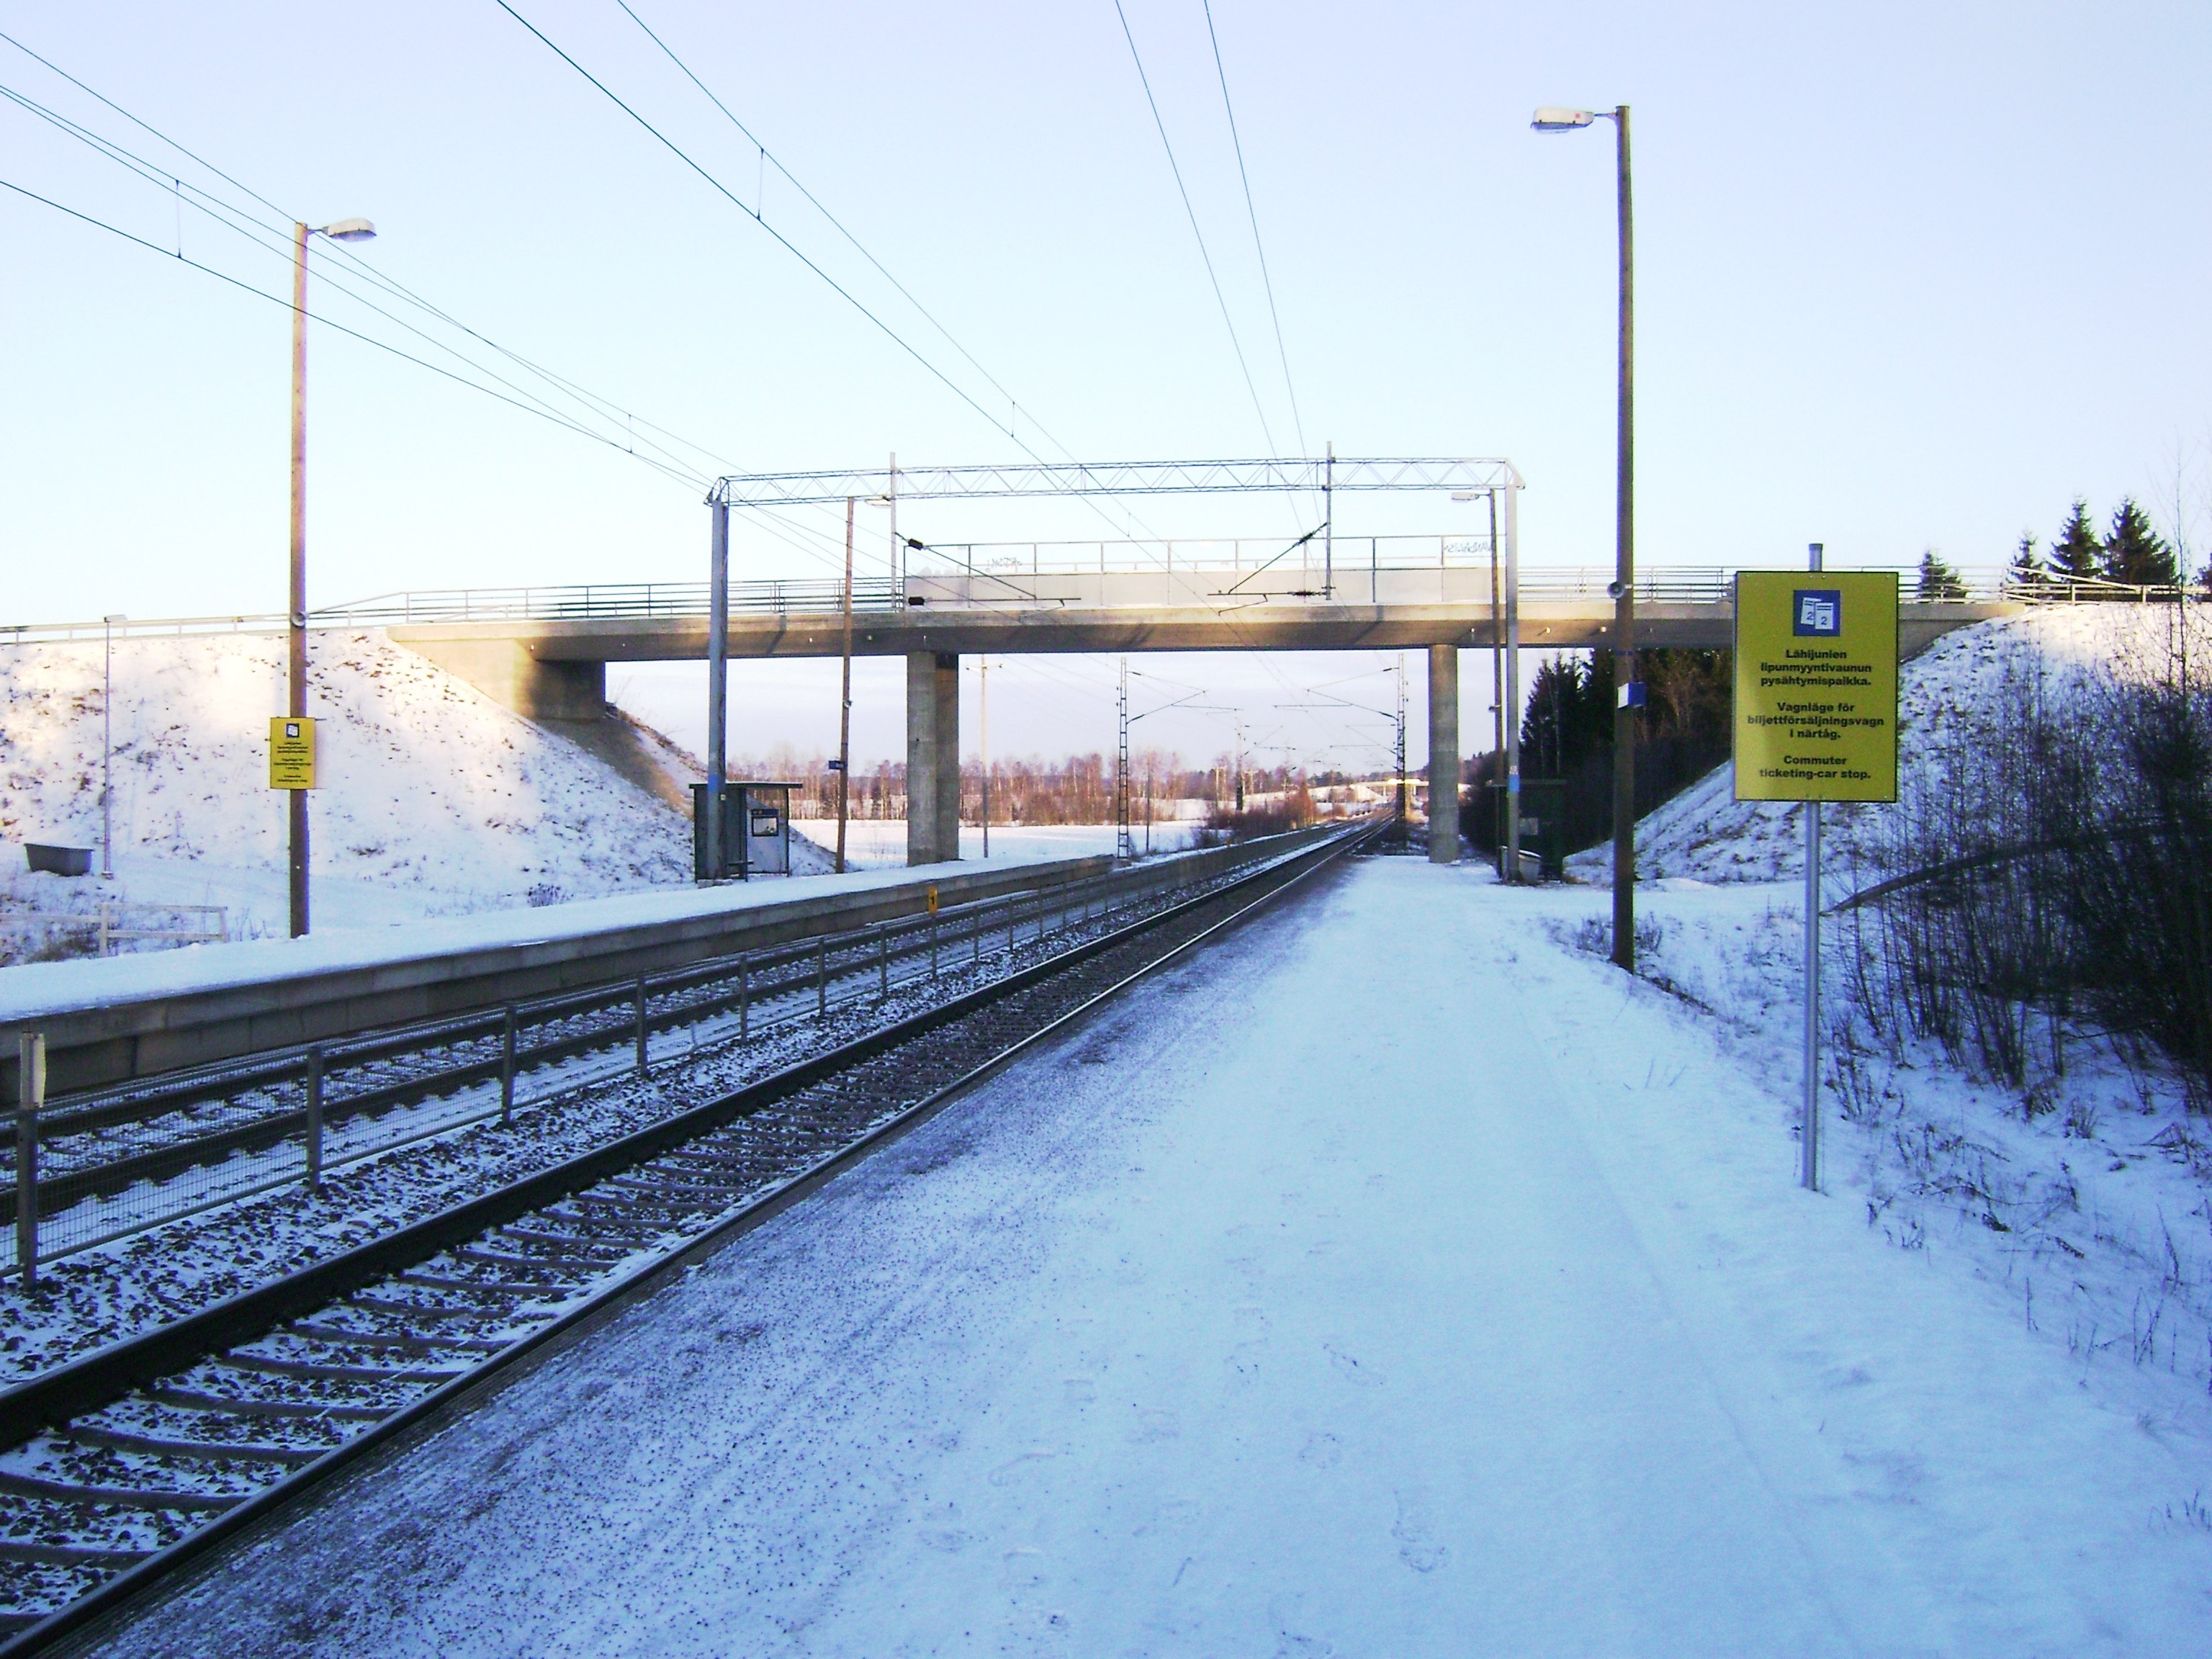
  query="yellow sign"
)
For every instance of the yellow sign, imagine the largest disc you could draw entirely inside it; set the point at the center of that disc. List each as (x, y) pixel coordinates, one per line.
(291, 752)
(1816, 685)
(932, 898)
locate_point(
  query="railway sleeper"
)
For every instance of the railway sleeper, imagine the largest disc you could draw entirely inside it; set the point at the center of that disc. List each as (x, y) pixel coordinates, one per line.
(131, 1498)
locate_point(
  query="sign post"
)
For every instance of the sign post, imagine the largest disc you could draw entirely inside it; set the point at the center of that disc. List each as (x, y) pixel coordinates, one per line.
(1815, 720)
(291, 752)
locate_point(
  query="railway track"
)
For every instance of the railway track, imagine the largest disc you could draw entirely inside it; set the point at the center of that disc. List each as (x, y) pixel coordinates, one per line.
(119, 1468)
(108, 1162)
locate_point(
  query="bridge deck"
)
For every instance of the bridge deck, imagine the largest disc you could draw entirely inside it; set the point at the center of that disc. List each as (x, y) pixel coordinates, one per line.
(1113, 610)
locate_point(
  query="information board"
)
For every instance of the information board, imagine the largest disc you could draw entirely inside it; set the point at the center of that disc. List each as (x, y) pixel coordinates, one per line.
(1816, 685)
(291, 752)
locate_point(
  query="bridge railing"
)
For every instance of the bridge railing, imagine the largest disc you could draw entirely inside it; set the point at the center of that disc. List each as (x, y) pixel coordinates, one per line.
(1354, 564)
(612, 601)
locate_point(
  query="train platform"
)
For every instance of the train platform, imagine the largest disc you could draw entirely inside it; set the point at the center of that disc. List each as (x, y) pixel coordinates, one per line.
(1390, 1277)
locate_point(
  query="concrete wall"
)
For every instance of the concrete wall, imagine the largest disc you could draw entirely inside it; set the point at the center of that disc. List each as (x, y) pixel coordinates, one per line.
(90, 1047)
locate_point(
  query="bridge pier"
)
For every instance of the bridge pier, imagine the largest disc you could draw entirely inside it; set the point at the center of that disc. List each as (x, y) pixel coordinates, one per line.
(1443, 754)
(932, 757)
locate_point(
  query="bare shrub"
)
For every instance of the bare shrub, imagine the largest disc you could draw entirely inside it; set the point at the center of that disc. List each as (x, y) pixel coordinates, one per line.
(2058, 835)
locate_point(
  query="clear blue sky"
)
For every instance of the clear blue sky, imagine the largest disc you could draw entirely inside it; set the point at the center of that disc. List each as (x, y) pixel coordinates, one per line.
(1909, 276)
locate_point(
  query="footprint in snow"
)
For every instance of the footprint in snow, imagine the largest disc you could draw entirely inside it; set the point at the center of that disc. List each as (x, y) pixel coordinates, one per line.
(1417, 1547)
(1349, 1368)
(1017, 1465)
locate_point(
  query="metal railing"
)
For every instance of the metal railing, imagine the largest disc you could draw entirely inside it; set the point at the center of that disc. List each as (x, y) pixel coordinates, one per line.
(105, 1164)
(112, 923)
(1353, 558)
(612, 601)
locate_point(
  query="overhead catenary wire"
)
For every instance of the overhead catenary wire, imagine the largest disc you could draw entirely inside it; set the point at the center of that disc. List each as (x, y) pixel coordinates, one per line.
(1266, 280)
(275, 239)
(723, 190)
(844, 293)
(1176, 167)
(370, 272)
(768, 159)
(326, 322)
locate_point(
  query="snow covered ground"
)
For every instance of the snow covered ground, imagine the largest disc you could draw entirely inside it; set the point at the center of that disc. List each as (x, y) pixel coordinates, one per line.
(437, 801)
(1394, 1278)
(1705, 833)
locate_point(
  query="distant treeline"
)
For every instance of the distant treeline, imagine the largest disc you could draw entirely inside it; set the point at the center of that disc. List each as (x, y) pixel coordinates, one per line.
(1566, 732)
(1079, 789)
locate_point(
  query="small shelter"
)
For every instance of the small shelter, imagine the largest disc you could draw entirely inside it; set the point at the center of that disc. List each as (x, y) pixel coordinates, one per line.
(756, 830)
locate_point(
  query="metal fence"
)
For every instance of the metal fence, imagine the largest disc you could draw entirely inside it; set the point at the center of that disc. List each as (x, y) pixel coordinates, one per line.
(122, 922)
(96, 1167)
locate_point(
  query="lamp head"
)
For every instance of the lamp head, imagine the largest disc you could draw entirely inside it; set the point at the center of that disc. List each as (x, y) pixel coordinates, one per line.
(1550, 120)
(1466, 494)
(349, 230)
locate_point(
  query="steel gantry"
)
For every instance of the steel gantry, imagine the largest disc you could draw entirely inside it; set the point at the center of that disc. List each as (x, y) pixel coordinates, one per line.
(932, 702)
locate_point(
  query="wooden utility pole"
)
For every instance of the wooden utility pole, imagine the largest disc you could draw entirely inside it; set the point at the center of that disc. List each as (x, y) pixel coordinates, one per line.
(845, 696)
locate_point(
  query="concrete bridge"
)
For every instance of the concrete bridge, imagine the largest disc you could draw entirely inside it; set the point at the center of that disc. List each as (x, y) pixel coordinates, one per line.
(543, 651)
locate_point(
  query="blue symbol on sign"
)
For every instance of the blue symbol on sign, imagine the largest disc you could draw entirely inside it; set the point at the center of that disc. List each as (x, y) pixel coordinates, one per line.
(1820, 612)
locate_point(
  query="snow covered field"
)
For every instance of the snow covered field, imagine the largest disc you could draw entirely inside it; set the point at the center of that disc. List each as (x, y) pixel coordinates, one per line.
(1392, 1279)
(871, 843)
(438, 801)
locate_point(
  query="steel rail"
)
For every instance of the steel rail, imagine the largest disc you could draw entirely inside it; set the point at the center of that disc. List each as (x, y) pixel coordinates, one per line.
(103, 1378)
(689, 998)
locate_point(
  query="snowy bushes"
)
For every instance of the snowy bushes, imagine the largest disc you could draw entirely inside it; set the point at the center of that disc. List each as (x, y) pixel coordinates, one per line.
(1276, 815)
(2050, 855)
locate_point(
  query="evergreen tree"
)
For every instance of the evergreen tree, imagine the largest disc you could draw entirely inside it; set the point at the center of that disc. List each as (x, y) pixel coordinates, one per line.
(2027, 569)
(2077, 556)
(1569, 716)
(1938, 581)
(2136, 554)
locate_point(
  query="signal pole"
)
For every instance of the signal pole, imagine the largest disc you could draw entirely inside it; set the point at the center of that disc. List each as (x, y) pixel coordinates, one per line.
(845, 696)
(1401, 743)
(1125, 846)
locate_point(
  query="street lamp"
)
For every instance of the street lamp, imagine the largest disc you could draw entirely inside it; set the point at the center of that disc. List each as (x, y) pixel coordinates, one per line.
(1628, 695)
(295, 695)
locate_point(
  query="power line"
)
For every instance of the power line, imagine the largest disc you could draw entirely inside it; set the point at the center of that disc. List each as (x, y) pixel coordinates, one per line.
(1173, 166)
(890, 333)
(254, 230)
(278, 300)
(792, 248)
(769, 158)
(1254, 214)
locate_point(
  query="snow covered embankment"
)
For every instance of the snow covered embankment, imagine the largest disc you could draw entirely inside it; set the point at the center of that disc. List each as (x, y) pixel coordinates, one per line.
(1706, 834)
(436, 800)
(2088, 1194)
